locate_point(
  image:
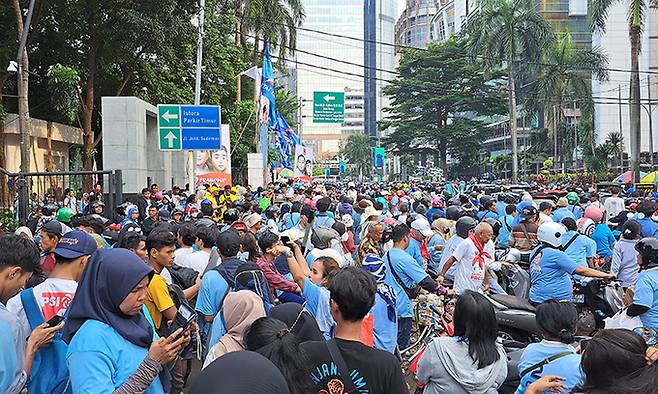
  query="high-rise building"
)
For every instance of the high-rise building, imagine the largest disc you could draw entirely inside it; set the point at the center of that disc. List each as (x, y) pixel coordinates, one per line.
(341, 67)
(413, 27)
(611, 114)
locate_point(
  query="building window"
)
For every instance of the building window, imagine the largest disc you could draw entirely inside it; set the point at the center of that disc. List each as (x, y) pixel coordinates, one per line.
(577, 7)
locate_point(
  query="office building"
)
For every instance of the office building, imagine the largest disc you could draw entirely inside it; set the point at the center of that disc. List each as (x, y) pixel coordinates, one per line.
(341, 67)
(413, 28)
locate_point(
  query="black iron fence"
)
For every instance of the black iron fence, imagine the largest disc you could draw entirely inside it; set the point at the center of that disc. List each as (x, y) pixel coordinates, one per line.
(18, 189)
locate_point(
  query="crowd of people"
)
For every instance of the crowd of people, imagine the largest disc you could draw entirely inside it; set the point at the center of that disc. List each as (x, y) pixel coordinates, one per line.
(293, 288)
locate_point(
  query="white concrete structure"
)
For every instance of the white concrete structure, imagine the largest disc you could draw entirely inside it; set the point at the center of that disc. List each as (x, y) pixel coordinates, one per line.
(342, 17)
(131, 144)
(616, 45)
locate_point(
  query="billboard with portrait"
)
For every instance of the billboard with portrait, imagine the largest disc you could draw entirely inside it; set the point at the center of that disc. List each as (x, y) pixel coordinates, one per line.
(213, 167)
(303, 164)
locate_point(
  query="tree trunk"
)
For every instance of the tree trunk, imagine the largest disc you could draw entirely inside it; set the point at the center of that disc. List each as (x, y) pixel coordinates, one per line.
(443, 148)
(23, 102)
(512, 121)
(635, 129)
(256, 49)
(88, 113)
(238, 22)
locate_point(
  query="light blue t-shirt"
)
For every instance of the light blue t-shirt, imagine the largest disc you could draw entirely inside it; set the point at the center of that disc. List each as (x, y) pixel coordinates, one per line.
(550, 276)
(581, 249)
(100, 360)
(576, 210)
(649, 227)
(323, 220)
(7, 356)
(500, 208)
(435, 255)
(408, 270)
(646, 294)
(414, 251)
(561, 213)
(604, 240)
(486, 215)
(385, 331)
(567, 367)
(317, 304)
(212, 291)
(507, 222)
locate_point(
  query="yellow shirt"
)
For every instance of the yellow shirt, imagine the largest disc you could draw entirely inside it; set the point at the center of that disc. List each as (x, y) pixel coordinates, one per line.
(158, 299)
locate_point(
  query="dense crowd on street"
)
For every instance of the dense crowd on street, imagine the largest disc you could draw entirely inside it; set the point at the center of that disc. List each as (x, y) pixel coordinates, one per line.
(333, 288)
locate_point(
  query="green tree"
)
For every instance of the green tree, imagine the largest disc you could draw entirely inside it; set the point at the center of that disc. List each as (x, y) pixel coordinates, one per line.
(509, 32)
(358, 152)
(273, 21)
(638, 11)
(615, 140)
(435, 102)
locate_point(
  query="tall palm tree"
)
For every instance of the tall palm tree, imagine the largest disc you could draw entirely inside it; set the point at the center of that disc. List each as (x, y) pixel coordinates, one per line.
(274, 21)
(508, 31)
(638, 11)
(615, 140)
(358, 151)
(564, 80)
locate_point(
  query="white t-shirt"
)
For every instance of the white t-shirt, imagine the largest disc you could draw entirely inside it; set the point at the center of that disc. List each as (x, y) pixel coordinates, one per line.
(181, 254)
(613, 206)
(470, 276)
(198, 261)
(53, 297)
(544, 218)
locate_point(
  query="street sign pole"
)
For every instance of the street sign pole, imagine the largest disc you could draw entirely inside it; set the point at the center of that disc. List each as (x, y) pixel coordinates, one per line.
(197, 88)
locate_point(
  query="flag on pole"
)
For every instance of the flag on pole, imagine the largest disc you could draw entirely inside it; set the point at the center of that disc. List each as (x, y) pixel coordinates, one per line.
(267, 111)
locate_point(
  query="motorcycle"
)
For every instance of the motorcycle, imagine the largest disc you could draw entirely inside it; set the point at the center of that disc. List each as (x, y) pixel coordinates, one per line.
(596, 300)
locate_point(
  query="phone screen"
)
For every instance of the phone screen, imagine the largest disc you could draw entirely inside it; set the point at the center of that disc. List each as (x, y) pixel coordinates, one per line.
(55, 320)
(185, 313)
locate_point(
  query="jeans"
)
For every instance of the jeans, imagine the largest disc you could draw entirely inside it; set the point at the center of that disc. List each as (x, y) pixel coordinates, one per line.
(494, 287)
(404, 331)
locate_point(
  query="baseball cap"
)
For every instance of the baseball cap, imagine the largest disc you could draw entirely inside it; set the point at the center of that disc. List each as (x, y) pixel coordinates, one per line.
(228, 243)
(253, 219)
(75, 244)
(423, 226)
(54, 227)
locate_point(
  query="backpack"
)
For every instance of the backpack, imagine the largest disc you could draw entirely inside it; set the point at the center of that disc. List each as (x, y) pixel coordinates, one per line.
(250, 277)
(50, 374)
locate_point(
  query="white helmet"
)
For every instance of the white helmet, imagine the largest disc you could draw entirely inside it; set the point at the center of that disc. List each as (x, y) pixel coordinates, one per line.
(551, 233)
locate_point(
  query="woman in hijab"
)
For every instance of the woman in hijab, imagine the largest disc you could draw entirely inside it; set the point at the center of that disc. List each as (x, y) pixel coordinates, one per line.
(112, 343)
(299, 321)
(132, 214)
(240, 372)
(240, 309)
(437, 242)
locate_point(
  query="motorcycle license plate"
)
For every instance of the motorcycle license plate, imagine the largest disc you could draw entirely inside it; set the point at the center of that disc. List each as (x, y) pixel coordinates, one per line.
(579, 298)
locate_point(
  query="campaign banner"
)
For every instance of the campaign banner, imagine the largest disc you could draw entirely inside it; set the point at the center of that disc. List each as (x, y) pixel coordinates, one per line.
(213, 167)
(303, 164)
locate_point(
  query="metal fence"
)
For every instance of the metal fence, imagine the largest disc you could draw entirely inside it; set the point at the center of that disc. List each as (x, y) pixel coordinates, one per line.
(16, 189)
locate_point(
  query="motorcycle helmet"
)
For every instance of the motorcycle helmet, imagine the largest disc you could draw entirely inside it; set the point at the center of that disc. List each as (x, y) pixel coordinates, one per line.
(231, 215)
(64, 215)
(593, 212)
(495, 225)
(648, 250)
(464, 225)
(551, 233)
(573, 198)
(529, 211)
(454, 212)
(486, 202)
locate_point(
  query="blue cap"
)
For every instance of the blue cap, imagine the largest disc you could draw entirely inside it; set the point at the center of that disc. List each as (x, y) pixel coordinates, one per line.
(75, 244)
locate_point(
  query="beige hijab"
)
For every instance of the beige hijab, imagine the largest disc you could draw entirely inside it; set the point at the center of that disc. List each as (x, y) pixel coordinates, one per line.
(441, 227)
(240, 309)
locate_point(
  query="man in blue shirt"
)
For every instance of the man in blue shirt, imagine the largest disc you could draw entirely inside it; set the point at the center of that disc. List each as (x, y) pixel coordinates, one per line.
(420, 231)
(322, 217)
(403, 270)
(217, 282)
(649, 227)
(645, 299)
(488, 206)
(562, 211)
(551, 268)
(507, 222)
(580, 248)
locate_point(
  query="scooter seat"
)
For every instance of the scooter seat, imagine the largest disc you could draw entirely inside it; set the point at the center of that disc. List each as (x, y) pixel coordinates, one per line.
(513, 302)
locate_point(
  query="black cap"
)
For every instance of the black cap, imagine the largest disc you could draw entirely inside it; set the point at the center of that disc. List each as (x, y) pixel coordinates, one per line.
(228, 243)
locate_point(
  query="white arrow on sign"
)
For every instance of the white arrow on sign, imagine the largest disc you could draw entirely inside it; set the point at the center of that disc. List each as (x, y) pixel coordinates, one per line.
(168, 117)
(170, 137)
(329, 97)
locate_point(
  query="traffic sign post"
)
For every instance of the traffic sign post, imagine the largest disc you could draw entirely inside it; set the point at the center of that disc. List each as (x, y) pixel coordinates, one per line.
(328, 107)
(189, 127)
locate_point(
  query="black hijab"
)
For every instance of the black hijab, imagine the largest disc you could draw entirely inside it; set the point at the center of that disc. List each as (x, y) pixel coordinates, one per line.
(241, 372)
(110, 275)
(298, 320)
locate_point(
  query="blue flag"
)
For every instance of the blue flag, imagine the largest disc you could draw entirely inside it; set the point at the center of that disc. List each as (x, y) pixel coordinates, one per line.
(267, 100)
(286, 139)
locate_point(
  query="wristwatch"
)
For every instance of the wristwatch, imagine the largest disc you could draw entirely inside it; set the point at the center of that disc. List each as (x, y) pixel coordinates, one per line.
(289, 253)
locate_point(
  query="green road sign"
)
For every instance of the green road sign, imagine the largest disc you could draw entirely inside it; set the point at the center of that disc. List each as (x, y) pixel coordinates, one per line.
(328, 107)
(170, 138)
(168, 116)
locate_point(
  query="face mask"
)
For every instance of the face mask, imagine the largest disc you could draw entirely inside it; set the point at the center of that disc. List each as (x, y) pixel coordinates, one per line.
(244, 256)
(344, 237)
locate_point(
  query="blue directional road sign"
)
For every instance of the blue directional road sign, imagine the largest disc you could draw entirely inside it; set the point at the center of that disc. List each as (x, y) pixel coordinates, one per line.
(189, 127)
